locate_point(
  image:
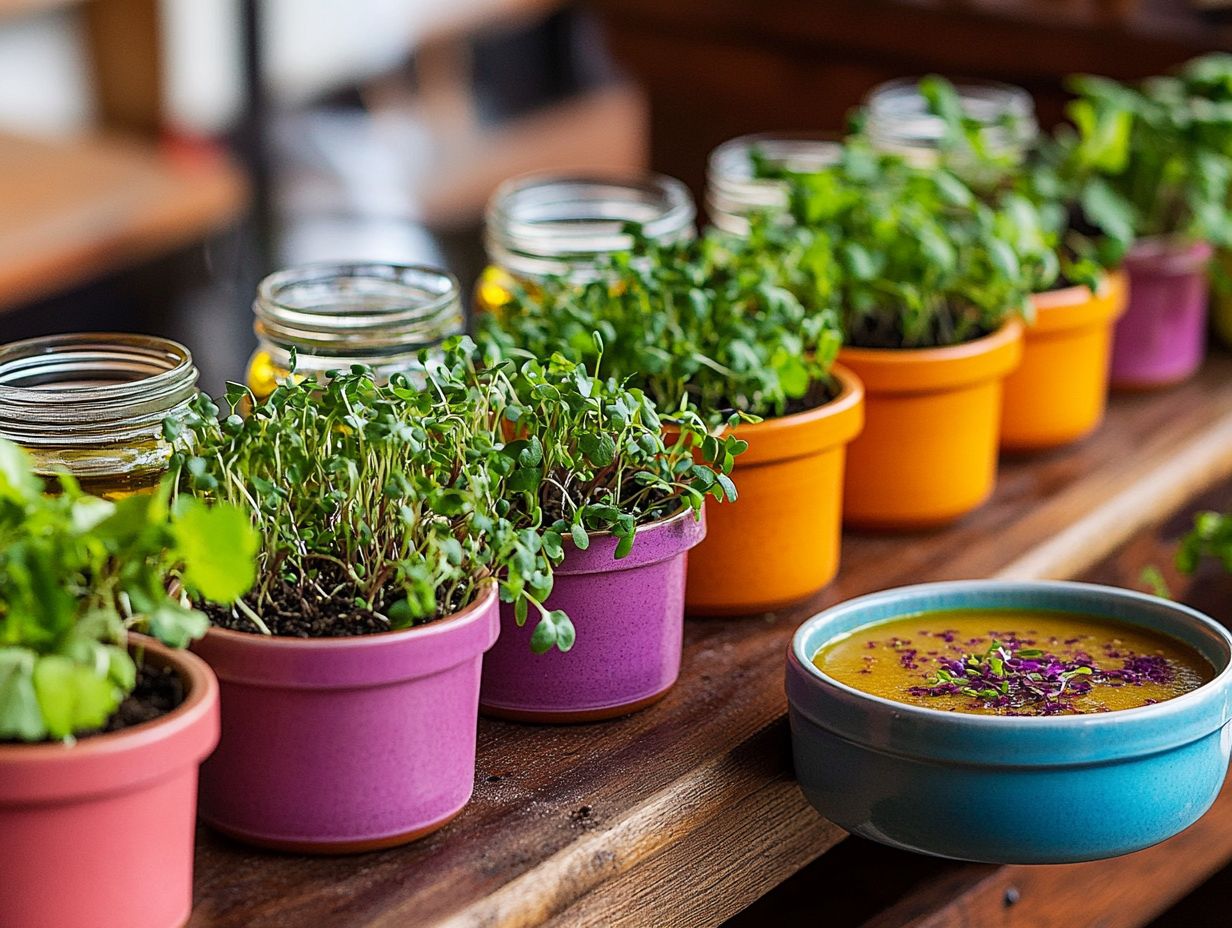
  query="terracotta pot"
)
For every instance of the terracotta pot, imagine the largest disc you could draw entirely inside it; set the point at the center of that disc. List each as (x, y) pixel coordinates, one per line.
(928, 452)
(1060, 390)
(1161, 339)
(778, 543)
(629, 618)
(334, 745)
(100, 833)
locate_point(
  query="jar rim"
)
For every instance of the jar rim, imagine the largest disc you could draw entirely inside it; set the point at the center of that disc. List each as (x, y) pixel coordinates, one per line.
(552, 223)
(91, 379)
(733, 193)
(402, 306)
(898, 113)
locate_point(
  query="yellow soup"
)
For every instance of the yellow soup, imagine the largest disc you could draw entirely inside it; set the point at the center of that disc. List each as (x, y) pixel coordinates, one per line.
(1014, 662)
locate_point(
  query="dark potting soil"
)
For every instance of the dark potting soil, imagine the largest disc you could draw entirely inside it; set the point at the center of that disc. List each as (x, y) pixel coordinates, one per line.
(158, 691)
(882, 332)
(293, 611)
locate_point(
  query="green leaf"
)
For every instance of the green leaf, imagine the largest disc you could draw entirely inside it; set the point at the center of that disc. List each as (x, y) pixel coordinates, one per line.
(175, 625)
(217, 546)
(20, 716)
(72, 698)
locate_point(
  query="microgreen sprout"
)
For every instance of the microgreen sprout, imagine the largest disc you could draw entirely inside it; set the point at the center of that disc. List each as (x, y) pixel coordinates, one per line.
(383, 506)
(712, 322)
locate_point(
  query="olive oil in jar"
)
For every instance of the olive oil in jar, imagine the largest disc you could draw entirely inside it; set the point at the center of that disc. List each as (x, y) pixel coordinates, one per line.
(93, 406)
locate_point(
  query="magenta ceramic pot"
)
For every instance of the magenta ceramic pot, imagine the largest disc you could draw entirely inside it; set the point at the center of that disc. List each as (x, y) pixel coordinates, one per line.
(629, 618)
(333, 745)
(1161, 339)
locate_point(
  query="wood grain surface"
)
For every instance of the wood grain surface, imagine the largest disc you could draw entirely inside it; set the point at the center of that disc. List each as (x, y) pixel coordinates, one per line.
(684, 814)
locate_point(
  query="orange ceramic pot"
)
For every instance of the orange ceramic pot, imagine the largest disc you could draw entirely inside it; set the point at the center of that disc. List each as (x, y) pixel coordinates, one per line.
(100, 833)
(778, 543)
(1060, 390)
(928, 452)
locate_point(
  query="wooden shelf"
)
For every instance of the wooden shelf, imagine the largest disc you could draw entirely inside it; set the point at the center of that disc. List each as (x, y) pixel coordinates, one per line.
(77, 209)
(689, 810)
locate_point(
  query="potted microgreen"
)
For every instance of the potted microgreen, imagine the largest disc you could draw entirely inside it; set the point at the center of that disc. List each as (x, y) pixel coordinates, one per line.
(102, 729)
(710, 325)
(388, 514)
(1059, 391)
(1209, 79)
(349, 673)
(618, 507)
(930, 281)
(1164, 151)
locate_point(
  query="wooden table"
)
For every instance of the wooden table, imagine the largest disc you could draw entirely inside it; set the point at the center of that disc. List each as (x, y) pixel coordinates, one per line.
(685, 814)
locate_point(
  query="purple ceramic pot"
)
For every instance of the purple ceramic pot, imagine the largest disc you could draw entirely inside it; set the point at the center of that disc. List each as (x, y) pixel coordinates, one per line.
(333, 745)
(1161, 339)
(629, 617)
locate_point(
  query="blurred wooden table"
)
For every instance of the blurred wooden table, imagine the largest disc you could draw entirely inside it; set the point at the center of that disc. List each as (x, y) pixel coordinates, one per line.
(686, 813)
(72, 210)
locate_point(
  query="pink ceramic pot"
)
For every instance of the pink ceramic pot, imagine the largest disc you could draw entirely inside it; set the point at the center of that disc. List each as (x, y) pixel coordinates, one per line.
(629, 618)
(1161, 339)
(333, 745)
(100, 833)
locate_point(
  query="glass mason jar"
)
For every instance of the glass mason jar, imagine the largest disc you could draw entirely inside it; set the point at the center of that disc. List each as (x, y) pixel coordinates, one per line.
(734, 193)
(897, 120)
(336, 315)
(560, 225)
(93, 406)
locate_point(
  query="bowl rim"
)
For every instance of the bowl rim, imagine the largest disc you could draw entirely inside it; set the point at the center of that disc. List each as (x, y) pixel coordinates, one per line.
(1041, 724)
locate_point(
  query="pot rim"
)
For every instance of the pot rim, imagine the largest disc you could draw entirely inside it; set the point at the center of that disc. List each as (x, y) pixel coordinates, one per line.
(1078, 306)
(1061, 722)
(1168, 254)
(928, 370)
(983, 741)
(488, 590)
(202, 690)
(598, 557)
(811, 431)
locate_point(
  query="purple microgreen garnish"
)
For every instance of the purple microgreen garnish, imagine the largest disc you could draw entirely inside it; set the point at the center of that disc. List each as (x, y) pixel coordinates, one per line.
(1027, 680)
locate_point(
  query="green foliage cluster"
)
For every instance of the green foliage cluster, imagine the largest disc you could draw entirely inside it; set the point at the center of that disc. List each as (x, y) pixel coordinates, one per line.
(912, 257)
(77, 572)
(720, 323)
(1163, 151)
(1211, 537)
(1133, 161)
(402, 499)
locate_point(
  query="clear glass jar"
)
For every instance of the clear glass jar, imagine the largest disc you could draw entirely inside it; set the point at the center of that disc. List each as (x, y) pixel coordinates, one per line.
(733, 193)
(93, 406)
(560, 225)
(898, 120)
(336, 315)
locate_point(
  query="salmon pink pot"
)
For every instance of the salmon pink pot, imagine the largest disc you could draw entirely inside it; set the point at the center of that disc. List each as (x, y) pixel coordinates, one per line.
(100, 833)
(336, 745)
(629, 618)
(1161, 339)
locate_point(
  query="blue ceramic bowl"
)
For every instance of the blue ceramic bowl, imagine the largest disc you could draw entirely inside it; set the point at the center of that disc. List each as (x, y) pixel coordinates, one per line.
(1010, 790)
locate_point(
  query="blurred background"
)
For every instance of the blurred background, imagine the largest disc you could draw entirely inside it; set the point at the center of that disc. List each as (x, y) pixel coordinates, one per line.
(157, 157)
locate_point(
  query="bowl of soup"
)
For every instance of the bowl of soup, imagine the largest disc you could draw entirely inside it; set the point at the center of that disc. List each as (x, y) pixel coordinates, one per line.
(1011, 722)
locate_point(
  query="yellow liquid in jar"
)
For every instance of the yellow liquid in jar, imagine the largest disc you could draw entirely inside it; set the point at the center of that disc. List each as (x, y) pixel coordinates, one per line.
(495, 289)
